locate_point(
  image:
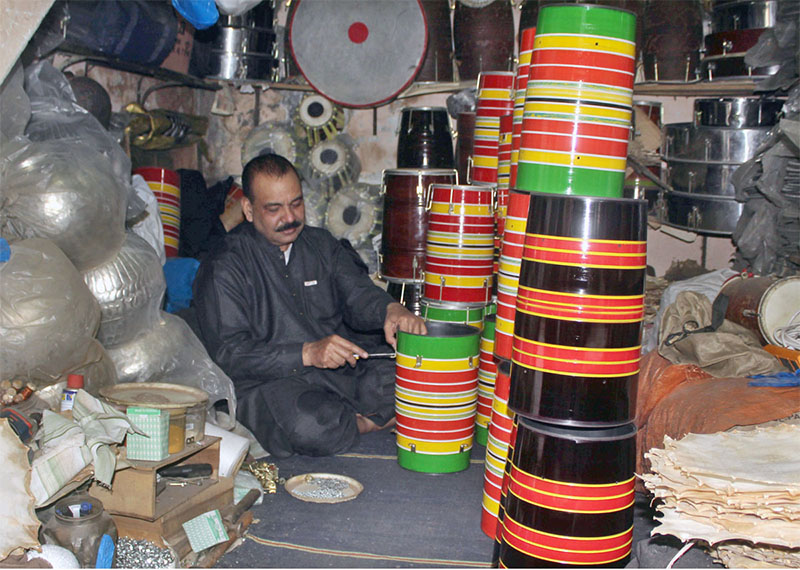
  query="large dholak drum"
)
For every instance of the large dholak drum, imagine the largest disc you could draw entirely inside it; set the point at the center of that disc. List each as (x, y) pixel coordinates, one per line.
(460, 244)
(424, 139)
(435, 397)
(744, 295)
(580, 305)
(438, 64)
(405, 221)
(483, 38)
(570, 497)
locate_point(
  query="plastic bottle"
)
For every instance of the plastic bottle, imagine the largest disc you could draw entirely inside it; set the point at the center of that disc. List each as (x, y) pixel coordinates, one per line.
(81, 525)
(74, 383)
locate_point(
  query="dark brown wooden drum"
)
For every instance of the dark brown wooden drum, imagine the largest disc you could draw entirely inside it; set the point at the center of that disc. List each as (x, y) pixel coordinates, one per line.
(405, 221)
(673, 36)
(570, 497)
(580, 305)
(483, 38)
(438, 63)
(424, 140)
(744, 295)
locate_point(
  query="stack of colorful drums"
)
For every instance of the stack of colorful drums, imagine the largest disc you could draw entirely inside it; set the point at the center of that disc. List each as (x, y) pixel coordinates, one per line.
(572, 265)
(494, 100)
(166, 186)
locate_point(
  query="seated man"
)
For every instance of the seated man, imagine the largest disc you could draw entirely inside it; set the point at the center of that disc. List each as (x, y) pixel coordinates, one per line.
(279, 305)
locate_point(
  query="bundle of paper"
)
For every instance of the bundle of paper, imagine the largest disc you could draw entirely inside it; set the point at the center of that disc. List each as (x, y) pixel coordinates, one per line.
(738, 489)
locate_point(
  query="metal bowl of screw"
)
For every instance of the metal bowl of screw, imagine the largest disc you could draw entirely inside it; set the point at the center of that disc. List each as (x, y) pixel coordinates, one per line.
(323, 488)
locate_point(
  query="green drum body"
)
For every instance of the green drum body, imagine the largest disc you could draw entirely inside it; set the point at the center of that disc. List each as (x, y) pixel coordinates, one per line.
(436, 397)
(487, 371)
(440, 312)
(578, 102)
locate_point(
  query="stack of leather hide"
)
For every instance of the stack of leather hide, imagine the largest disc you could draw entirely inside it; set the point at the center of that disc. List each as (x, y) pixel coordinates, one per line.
(738, 490)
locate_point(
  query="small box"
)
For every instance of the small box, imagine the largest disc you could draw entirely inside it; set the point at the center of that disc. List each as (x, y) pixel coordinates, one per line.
(155, 445)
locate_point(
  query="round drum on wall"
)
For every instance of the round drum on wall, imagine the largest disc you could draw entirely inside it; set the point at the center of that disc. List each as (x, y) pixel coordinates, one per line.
(358, 53)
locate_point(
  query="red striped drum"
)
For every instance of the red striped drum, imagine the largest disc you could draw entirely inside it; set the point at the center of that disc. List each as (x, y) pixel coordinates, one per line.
(495, 99)
(436, 397)
(460, 244)
(521, 84)
(487, 370)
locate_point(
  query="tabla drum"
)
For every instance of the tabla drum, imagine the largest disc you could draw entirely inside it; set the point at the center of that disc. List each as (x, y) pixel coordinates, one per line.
(779, 307)
(354, 214)
(438, 64)
(358, 53)
(332, 164)
(744, 295)
(317, 119)
(435, 397)
(487, 371)
(483, 37)
(405, 220)
(579, 311)
(424, 138)
(570, 497)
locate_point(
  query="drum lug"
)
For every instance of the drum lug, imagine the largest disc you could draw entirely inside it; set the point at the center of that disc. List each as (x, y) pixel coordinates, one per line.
(418, 363)
(695, 218)
(412, 447)
(660, 208)
(469, 170)
(472, 362)
(462, 448)
(691, 181)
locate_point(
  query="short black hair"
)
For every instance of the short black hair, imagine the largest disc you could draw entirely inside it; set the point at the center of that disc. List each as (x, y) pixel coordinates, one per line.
(267, 164)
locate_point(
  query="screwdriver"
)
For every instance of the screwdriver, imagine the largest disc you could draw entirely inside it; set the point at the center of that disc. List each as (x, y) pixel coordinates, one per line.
(378, 355)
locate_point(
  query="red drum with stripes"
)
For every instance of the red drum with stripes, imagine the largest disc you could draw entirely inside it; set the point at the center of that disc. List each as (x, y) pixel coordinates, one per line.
(503, 169)
(405, 220)
(460, 244)
(495, 99)
(487, 371)
(580, 305)
(504, 495)
(435, 397)
(523, 72)
(511, 251)
(578, 101)
(500, 428)
(570, 497)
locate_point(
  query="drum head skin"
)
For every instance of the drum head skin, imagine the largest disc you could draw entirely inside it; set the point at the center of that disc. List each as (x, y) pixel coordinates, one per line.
(359, 53)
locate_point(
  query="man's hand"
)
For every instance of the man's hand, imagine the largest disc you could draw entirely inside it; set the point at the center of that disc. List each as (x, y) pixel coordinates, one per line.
(398, 318)
(331, 352)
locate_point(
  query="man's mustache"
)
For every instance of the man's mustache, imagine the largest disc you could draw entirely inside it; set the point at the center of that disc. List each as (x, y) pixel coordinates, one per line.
(289, 226)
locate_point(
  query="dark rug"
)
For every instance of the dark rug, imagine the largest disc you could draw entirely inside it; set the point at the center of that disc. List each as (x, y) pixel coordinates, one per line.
(402, 519)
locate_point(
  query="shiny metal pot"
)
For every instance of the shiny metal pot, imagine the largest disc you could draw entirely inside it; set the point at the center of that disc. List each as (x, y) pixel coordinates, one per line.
(737, 112)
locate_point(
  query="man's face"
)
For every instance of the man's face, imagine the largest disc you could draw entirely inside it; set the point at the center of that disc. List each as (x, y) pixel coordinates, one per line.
(277, 210)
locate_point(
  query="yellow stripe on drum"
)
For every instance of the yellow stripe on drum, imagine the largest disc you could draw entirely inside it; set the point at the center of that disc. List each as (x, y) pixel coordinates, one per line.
(471, 253)
(443, 399)
(434, 447)
(432, 414)
(496, 451)
(517, 225)
(457, 281)
(485, 95)
(569, 111)
(491, 505)
(585, 42)
(588, 161)
(434, 364)
(458, 239)
(457, 209)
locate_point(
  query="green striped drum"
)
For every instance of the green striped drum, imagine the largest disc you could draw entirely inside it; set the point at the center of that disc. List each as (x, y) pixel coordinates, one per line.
(443, 312)
(436, 397)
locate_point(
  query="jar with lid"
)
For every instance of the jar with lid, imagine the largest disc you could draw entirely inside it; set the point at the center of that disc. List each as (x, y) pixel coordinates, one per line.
(81, 525)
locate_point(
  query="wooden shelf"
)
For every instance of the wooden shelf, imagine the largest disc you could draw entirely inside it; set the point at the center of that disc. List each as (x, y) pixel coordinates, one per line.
(721, 88)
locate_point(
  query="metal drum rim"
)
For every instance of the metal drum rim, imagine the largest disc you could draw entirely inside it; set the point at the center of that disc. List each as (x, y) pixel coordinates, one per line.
(460, 330)
(581, 434)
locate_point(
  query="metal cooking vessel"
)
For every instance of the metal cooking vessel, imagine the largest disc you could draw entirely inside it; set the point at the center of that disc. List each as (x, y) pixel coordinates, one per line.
(737, 112)
(688, 142)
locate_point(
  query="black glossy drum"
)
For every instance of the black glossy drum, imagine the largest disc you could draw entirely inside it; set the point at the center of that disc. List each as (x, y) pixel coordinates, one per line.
(570, 497)
(579, 311)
